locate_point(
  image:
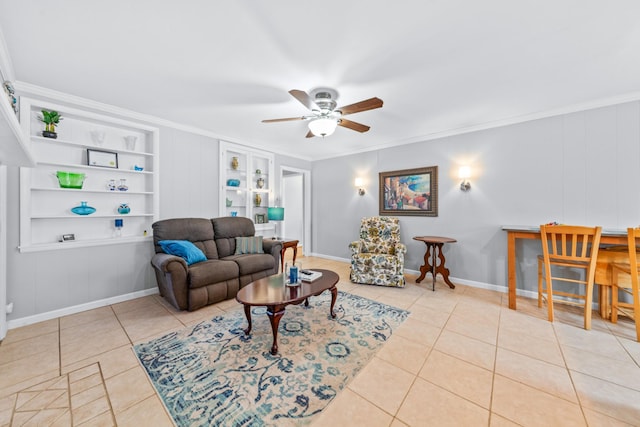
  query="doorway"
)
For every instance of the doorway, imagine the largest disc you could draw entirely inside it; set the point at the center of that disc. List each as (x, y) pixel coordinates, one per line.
(295, 188)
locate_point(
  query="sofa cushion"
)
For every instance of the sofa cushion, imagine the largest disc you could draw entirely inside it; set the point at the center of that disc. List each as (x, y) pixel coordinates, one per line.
(252, 263)
(184, 249)
(212, 271)
(227, 228)
(249, 245)
(198, 231)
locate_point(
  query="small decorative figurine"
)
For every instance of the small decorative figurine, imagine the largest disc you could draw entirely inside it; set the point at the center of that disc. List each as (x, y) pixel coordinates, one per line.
(124, 209)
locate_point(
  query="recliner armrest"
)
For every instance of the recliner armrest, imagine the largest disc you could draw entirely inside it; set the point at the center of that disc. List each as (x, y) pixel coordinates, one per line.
(272, 247)
(161, 261)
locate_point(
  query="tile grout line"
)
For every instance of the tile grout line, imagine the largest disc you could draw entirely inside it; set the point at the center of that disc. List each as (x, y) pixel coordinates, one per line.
(69, 398)
(566, 366)
(495, 363)
(59, 347)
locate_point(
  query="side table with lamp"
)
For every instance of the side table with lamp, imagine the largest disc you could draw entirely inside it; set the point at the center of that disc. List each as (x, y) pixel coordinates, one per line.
(277, 214)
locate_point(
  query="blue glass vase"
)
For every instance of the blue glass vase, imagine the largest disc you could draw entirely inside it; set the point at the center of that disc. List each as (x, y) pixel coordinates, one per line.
(83, 209)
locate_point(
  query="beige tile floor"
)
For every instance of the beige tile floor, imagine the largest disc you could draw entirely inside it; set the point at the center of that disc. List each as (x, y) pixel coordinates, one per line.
(462, 358)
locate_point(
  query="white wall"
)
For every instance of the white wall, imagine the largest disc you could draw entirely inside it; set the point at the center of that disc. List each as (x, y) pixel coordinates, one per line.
(294, 207)
(577, 168)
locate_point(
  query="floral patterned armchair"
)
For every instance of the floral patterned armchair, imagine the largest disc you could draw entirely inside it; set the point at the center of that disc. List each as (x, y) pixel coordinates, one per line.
(378, 257)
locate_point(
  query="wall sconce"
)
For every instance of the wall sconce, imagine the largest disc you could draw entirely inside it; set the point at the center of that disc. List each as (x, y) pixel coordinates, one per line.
(359, 185)
(464, 173)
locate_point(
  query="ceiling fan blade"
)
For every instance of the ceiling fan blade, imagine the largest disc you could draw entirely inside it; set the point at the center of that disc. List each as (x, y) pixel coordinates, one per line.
(368, 104)
(353, 125)
(304, 99)
(310, 134)
(288, 119)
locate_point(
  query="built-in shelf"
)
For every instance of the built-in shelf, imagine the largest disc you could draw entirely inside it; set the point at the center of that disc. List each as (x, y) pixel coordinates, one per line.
(76, 166)
(81, 190)
(90, 146)
(45, 207)
(249, 166)
(74, 244)
(83, 217)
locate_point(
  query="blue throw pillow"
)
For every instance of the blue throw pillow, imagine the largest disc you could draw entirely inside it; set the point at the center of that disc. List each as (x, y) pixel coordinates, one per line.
(184, 249)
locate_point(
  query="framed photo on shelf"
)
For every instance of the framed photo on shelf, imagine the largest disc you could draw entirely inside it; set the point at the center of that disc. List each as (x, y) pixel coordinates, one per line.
(409, 192)
(103, 159)
(260, 218)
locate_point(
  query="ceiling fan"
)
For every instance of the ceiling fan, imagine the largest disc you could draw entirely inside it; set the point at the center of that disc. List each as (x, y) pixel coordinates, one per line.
(324, 115)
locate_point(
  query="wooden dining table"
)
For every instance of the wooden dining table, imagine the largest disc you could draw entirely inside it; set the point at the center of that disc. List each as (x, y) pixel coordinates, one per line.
(606, 256)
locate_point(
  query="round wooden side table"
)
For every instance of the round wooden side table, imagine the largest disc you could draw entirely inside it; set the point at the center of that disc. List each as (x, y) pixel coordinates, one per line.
(434, 248)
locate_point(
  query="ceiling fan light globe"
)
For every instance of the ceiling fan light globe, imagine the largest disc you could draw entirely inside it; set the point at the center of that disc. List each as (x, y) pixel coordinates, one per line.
(323, 126)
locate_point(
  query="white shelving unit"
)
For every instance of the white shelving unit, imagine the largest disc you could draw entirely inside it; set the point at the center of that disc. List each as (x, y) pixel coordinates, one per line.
(244, 198)
(45, 207)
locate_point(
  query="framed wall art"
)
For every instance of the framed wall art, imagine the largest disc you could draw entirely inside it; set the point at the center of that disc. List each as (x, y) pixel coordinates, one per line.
(260, 218)
(103, 159)
(409, 192)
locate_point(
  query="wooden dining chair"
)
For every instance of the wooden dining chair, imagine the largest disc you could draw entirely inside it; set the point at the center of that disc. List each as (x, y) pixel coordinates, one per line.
(573, 247)
(625, 282)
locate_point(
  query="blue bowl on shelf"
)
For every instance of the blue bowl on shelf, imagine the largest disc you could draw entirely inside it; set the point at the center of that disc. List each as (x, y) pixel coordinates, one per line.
(233, 182)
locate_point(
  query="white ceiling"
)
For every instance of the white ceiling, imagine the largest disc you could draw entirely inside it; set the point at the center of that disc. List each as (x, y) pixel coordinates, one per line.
(441, 66)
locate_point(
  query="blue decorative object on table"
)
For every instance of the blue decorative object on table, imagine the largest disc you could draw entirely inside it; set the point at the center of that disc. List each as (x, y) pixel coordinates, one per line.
(124, 209)
(293, 275)
(233, 182)
(83, 209)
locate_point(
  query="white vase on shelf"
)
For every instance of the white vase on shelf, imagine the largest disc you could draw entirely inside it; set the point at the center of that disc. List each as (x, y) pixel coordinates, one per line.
(130, 142)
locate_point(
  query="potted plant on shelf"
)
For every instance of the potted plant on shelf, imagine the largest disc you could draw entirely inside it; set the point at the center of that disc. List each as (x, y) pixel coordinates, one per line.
(50, 120)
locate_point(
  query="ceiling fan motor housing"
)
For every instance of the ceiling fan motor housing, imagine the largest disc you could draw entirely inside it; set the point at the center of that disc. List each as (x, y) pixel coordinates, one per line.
(325, 102)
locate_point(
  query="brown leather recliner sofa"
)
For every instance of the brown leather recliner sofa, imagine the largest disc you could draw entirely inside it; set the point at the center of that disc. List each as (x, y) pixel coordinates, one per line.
(223, 273)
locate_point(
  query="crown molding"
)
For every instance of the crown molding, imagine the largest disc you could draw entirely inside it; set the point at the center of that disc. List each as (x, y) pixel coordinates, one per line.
(570, 109)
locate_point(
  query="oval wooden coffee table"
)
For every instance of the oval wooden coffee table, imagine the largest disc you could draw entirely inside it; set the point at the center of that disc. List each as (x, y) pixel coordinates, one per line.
(272, 293)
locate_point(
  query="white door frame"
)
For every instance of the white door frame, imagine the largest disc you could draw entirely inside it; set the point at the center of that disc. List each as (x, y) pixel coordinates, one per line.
(306, 217)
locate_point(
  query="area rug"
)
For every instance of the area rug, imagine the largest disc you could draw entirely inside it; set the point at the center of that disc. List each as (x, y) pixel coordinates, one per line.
(212, 374)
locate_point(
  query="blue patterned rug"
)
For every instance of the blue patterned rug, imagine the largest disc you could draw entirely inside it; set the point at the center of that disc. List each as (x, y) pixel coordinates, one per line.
(212, 375)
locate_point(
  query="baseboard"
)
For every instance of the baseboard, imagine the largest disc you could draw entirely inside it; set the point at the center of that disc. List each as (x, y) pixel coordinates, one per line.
(481, 285)
(29, 320)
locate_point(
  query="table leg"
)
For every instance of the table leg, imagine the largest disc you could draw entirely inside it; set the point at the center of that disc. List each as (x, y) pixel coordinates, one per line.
(441, 268)
(275, 314)
(426, 267)
(295, 253)
(247, 313)
(433, 267)
(511, 269)
(334, 296)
